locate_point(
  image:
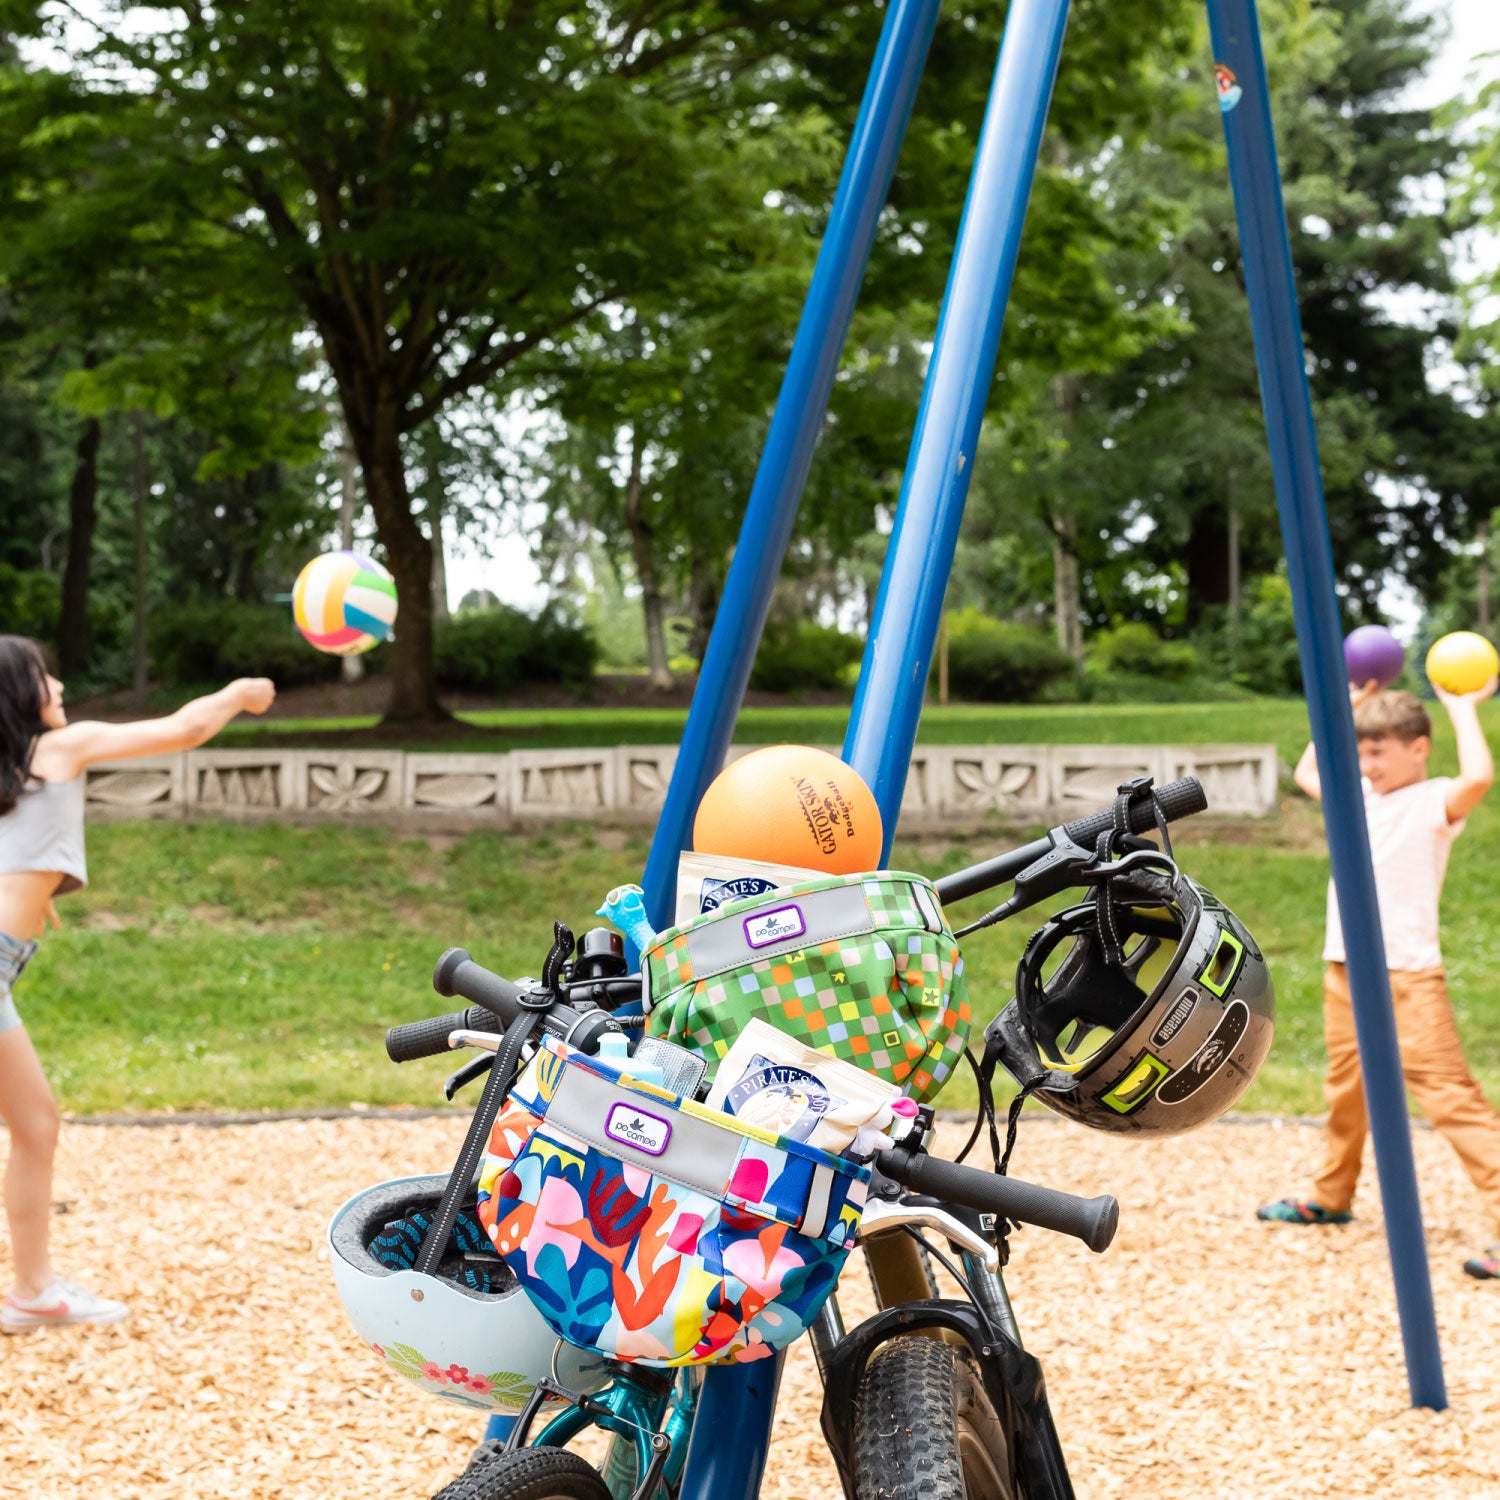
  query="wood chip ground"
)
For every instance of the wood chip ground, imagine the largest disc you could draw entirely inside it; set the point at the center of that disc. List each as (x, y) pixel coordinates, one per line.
(1205, 1355)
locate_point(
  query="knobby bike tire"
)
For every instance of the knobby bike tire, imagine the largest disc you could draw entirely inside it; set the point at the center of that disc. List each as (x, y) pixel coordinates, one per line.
(924, 1428)
(531, 1474)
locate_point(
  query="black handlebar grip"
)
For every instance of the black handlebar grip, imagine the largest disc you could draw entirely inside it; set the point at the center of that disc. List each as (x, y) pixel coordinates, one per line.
(429, 1037)
(1178, 799)
(457, 974)
(1092, 1220)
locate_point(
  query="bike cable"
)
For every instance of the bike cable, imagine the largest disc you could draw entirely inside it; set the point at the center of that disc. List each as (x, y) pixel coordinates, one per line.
(956, 1274)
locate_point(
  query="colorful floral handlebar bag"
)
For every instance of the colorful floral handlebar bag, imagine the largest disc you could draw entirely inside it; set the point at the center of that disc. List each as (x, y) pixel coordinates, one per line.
(652, 1229)
(864, 967)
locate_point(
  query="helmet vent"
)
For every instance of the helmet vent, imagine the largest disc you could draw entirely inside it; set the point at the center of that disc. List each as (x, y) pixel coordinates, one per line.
(1218, 974)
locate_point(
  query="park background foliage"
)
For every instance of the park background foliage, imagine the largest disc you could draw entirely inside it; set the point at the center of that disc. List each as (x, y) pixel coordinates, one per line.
(447, 268)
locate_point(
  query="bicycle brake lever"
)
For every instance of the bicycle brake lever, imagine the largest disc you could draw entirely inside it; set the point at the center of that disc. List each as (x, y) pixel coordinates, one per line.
(1145, 854)
(476, 1068)
(1054, 871)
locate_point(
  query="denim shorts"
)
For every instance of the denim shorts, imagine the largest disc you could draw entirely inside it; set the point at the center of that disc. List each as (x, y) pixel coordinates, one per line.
(14, 956)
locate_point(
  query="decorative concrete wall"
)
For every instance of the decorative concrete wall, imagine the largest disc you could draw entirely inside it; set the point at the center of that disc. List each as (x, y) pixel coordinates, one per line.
(950, 786)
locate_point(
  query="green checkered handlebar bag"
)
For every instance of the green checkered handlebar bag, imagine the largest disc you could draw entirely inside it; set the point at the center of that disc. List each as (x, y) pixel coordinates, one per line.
(864, 967)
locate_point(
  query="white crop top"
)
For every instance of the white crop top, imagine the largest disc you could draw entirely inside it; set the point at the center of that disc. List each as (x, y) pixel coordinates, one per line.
(44, 831)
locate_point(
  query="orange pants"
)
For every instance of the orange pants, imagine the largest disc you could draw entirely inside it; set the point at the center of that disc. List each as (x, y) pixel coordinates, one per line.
(1437, 1075)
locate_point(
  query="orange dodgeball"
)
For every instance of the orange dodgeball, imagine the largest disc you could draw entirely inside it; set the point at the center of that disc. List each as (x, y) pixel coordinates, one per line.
(791, 805)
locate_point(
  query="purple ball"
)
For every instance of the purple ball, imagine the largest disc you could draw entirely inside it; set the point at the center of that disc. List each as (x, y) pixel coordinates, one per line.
(1373, 652)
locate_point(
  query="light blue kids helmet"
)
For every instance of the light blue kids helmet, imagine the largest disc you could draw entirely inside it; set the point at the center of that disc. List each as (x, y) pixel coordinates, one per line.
(466, 1332)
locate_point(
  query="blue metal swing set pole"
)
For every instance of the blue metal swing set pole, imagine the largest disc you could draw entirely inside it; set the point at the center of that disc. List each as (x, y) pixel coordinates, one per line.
(904, 623)
(732, 1431)
(737, 1403)
(798, 419)
(1270, 282)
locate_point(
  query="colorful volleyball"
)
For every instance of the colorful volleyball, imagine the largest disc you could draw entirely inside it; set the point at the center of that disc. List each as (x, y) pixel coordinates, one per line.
(344, 603)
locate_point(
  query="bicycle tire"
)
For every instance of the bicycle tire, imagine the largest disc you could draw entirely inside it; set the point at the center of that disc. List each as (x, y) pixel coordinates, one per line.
(924, 1428)
(531, 1474)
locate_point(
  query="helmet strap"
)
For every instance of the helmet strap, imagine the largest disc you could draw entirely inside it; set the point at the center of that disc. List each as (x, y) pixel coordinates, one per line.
(1114, 842)
(534, 1005)
(984, 1073)
(1012, 1124)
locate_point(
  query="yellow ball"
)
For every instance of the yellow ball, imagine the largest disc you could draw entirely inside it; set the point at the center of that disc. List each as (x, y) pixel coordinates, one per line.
(1462, 662)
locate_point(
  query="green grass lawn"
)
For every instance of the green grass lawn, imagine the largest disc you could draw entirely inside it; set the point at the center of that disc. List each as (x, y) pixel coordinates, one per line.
(1281, 721)
(226, 967)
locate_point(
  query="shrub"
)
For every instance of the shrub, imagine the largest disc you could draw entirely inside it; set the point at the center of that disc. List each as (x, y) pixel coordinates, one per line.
(30, 603)
(1131, 687)
(213, 640)
(492, 650)
(481, 649)
(1002, 661)
(798, 656)
(559, 649)
(1136, 650)
(1263, 657)
(264, 642)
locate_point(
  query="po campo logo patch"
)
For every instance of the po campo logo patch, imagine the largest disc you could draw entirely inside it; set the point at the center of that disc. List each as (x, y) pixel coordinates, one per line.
(1137, 1086)
(774, 926)
(635, 1127)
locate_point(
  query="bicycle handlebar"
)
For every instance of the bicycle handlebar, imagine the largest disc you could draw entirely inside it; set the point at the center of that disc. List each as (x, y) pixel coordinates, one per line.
(455, 973)
(1177, 799)
(1092, 1220)
(429, 1037)
(498, 1003)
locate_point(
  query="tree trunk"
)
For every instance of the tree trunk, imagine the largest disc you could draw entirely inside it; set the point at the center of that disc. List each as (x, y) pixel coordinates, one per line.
(138, 485)
(1207, 562)
(1067, 391)
(351, 668)
(413, 683)
(1234, 566)
(943, 660)
(705, 586)
(1234, 580)
(83, 513)
(643, 552)
(1065, 582)
(439, 556)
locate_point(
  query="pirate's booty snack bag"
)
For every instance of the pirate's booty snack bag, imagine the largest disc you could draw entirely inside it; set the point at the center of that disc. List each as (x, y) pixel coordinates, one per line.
(773, 1081)
(705, 882)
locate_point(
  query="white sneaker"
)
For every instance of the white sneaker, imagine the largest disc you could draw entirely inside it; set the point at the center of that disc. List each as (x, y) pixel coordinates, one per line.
(62, 1302)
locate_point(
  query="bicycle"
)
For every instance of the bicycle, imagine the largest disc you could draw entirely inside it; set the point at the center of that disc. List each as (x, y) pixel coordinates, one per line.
(932, 1396)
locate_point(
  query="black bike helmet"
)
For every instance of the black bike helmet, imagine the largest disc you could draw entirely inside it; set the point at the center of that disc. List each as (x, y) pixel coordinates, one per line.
(1147, 1009)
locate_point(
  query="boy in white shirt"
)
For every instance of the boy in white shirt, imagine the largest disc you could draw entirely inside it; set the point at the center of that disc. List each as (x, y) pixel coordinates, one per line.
(1413, 820)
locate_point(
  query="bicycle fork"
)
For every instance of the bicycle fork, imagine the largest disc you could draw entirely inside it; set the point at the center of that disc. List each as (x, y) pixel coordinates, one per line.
(987, 1327)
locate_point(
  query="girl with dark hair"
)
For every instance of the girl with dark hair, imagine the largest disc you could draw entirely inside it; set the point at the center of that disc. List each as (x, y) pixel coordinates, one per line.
(42, 763)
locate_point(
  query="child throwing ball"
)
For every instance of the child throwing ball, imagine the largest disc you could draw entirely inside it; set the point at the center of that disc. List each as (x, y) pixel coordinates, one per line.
(1413, 820)
(42, 763)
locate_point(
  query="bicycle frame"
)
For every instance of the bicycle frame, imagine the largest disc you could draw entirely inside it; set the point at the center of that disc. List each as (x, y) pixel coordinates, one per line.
(650, 1420)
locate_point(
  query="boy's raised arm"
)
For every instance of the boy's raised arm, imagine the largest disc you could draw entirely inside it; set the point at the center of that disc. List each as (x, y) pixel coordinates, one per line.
(1476, 765)
(1306, 773)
